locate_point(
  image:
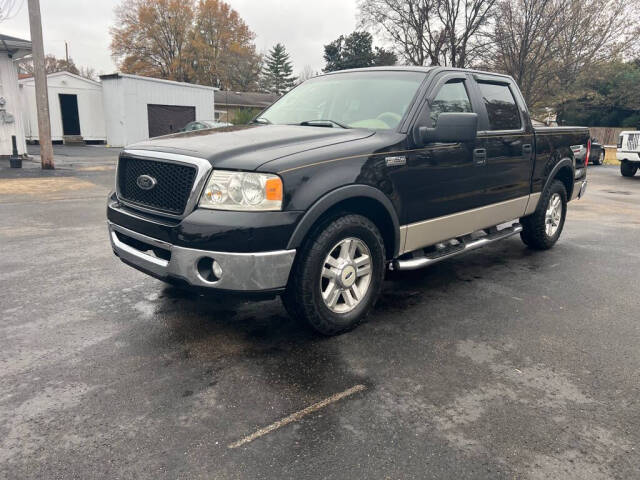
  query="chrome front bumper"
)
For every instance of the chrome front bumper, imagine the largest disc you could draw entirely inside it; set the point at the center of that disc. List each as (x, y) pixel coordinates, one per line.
(248, 272)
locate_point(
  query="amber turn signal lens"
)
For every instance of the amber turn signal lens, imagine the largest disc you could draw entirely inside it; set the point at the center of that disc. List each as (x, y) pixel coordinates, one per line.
(273, 189)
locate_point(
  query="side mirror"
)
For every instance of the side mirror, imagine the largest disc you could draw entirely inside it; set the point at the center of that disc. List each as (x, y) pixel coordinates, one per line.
(451, 127)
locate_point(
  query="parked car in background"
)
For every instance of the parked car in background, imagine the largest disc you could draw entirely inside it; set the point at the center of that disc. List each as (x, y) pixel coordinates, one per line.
(628, 152)
(203, 125)
(597, 152)
(349, 174)
(596, 155)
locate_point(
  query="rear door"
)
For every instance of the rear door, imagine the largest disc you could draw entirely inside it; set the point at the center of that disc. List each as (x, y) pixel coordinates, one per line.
(506, 127)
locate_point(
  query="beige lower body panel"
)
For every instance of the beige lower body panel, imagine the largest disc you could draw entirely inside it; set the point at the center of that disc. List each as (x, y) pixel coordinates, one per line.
(429, 232)
(534, 198)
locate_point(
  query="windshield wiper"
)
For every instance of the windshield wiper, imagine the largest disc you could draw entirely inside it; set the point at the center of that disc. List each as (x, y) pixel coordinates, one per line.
(321, 122)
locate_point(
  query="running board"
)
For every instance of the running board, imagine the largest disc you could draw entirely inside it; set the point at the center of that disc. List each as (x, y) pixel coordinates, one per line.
(456, 247)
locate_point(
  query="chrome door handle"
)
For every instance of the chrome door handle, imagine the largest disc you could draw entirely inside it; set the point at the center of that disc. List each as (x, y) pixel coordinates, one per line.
(479, 157)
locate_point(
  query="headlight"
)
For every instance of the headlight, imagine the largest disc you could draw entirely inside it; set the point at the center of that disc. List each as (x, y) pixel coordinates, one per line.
(227, 190)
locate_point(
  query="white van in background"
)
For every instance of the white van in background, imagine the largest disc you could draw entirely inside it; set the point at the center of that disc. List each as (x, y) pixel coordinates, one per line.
(628, 152)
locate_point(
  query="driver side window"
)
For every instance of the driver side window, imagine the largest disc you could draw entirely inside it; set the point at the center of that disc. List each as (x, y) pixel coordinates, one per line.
(452, 97)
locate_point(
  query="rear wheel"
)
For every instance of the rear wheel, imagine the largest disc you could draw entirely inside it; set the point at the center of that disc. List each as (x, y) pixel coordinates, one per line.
(542, 229)
(628, 169)
(338, 275)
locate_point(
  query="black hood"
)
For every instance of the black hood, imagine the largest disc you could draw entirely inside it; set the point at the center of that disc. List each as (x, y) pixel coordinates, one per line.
(246, 147)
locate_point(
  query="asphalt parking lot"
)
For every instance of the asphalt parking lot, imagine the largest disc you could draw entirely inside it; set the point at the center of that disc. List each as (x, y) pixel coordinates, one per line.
(503, 363)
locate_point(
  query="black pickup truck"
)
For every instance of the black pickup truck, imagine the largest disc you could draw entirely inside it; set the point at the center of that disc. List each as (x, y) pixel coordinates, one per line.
(349, 174)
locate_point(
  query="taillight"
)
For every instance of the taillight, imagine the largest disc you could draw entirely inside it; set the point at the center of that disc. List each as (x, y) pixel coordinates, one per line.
(586, 159)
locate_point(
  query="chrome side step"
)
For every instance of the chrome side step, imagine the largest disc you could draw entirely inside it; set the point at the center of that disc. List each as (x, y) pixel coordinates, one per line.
(455, 247)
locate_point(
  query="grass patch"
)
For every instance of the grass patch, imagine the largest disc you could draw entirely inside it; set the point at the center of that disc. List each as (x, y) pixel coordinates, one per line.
(610, 156)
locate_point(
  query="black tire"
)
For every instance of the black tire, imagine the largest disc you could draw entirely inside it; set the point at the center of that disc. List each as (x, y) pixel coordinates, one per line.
(303, 296)
(534, 233)
(628, 169)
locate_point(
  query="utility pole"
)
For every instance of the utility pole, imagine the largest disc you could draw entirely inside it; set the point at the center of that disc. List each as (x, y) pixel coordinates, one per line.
(42, 98)
(66, 52)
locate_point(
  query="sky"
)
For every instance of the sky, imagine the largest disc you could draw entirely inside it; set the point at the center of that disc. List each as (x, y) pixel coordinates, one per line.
(303, 26)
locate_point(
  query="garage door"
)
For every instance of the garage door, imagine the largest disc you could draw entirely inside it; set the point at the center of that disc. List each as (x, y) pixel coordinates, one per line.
(164, 119)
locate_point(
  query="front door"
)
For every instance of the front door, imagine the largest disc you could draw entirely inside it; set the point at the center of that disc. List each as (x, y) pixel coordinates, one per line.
(69, 112)
(444, 178)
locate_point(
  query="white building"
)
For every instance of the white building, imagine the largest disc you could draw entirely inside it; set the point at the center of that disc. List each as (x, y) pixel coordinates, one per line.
(75, 108)
(137, 108)
(11, 123)
(119, 110)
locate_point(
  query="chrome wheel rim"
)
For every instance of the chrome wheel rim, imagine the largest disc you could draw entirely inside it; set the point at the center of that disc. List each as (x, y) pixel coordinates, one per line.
(346, 275)
(553, 215)
(601, 158)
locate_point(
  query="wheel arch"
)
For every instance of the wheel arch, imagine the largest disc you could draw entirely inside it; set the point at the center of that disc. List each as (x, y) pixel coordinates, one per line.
(563, 171)
(362, 199)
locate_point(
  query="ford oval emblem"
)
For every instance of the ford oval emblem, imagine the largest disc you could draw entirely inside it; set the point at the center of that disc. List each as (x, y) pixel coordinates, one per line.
(146, 182)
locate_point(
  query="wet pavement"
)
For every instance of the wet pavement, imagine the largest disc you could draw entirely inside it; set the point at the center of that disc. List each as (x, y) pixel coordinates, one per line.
(503, 363)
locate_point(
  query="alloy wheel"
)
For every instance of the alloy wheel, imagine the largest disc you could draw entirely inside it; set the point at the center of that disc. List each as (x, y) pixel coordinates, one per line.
(553, 215)
(346, 275)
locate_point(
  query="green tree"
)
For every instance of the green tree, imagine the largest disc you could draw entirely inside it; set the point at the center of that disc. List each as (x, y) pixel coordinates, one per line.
(244, 116)
(606, 95)
(355, 51)
(277, 71)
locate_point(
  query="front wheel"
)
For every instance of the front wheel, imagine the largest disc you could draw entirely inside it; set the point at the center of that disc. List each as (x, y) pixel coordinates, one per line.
(628, 169)
(542, 229)
(338, 275)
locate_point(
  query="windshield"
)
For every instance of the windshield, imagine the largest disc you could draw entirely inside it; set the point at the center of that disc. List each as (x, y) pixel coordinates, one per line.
(375, 100)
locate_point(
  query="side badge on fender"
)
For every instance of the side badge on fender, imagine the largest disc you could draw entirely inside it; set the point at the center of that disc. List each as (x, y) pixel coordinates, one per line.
(395, 161)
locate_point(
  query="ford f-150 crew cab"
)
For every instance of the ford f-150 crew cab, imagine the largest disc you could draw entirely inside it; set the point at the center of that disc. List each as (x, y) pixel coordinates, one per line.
(348, 174)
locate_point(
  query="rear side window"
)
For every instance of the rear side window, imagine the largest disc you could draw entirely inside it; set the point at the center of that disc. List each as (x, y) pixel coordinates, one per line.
(452, 97)
(502, 108)
(620, 141)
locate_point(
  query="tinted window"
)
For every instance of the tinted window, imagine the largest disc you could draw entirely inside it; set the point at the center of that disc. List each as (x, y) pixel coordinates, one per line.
(502, 109)
(452, 97)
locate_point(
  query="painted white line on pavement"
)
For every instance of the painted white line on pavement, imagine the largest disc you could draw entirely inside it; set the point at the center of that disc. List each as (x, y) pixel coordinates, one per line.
(294, 417)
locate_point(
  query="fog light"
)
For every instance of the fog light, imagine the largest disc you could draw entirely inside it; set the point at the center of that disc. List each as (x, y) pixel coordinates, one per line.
(209, 270)
(217, 270)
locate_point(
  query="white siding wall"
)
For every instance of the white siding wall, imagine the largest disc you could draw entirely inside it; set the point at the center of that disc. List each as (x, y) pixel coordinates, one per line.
(9, 91)
(90, 106)
(126, 98)
(113, 101)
